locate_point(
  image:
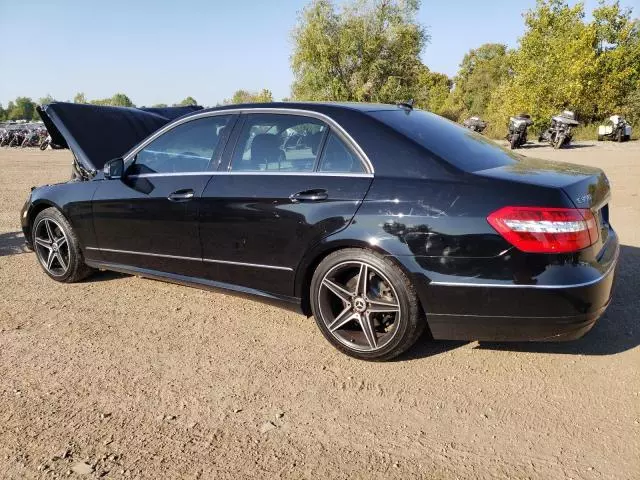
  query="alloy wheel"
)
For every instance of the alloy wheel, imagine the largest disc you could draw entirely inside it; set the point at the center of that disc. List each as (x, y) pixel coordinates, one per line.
(359, 306)
(52, 247)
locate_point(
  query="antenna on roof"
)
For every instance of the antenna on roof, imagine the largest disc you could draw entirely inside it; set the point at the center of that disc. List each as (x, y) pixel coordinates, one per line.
(408, 104)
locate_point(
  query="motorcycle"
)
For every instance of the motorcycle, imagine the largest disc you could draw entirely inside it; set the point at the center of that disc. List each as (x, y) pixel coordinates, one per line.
(559, 134)
(475, 124)
(518, 125)
(615, 128)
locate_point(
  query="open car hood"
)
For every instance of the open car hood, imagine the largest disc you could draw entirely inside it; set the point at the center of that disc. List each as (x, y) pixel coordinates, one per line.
(96, 134)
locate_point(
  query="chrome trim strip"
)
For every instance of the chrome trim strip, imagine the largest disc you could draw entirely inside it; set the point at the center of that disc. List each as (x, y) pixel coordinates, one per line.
(293, 111)
(177, 257)
(262, 172)
(540, 287)
(243, 264)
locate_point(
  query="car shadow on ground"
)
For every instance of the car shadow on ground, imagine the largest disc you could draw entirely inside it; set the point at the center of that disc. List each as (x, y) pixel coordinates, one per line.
(12, 243)
(617, 331)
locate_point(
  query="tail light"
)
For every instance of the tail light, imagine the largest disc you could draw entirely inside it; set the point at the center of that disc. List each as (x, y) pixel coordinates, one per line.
(546, 230)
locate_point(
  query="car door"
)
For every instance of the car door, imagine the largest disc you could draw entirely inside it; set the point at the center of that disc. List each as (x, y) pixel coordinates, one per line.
(290, 181)
(149, 218)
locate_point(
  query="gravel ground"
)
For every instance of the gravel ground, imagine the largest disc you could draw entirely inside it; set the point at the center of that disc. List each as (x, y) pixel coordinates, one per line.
(121, 377)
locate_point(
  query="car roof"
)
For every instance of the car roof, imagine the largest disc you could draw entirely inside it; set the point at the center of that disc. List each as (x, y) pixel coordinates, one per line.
(312, 106)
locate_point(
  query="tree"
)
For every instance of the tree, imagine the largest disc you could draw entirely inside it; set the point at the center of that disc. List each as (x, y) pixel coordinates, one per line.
(159, 105)
(186, 102)
(120, 100)
(432, 91)
(482, 70)
(3, 113)
(80, 98)
(369, 51)
(22, 109)
(46, 100)
(562, 62)
(245, 96)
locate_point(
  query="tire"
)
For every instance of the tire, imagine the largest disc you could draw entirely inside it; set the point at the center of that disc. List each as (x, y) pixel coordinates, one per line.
(600, 138)
(393, 331)
(44, 145)
(619, 136)
(559, 142)
(513, 142)
(67, 268)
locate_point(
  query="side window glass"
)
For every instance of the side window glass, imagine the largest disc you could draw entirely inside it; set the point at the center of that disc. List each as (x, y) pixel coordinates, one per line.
(189, 147)
(338, 158)
(283, 143)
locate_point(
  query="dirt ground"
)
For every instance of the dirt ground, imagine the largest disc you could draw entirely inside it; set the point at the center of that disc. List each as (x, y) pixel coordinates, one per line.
(121, 377)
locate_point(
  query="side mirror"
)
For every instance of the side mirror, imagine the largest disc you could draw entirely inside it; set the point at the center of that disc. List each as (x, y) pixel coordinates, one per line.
(113, 169)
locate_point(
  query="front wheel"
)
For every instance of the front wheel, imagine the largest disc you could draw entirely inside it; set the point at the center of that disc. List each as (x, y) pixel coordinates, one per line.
(513, 142)
(365, 305)
(57, 247)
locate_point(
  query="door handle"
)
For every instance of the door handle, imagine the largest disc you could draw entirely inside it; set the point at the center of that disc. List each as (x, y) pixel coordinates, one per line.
(181, 195)
(316, 195)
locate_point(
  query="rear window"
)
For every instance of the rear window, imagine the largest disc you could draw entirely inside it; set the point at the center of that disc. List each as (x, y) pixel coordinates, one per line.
(457, 145)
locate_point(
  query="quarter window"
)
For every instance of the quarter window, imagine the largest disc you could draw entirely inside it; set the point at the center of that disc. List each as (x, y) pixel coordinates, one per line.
(188, 147)
(337, 157)
(283, 143)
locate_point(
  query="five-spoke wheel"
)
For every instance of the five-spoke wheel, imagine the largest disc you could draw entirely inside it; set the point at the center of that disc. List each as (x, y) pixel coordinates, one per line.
(365, 305)
(57, 247)
(51, 246)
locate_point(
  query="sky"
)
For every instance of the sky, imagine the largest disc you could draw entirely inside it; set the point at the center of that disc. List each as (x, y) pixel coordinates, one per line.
(162, 51)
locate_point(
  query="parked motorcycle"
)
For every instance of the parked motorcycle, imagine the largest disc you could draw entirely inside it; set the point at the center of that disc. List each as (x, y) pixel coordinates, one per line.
(518, 125)
(559, 134)
(475, 124)
(615, 128)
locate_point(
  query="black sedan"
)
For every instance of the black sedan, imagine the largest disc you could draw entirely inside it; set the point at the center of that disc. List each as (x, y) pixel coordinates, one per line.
(381, 221)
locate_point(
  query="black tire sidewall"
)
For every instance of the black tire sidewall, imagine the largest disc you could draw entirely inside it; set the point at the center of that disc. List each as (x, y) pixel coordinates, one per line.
(77, 269)
(411, 323)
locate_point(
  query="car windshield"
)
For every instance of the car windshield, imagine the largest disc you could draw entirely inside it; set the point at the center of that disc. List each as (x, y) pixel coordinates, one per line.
(459, 146)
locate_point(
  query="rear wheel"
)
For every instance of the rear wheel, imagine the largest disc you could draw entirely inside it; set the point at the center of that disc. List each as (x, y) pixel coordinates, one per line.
(365, 305)
(600, 138)
(57, 247)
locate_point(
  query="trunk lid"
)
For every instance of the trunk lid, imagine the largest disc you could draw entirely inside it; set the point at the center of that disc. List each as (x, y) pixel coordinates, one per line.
(586, 187)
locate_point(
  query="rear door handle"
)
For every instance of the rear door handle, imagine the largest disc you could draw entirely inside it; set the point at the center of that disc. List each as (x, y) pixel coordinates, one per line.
(316, 195)
(181, 195)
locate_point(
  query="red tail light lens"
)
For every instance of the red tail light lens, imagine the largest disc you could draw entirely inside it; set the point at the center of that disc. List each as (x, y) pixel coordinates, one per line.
(545, 230)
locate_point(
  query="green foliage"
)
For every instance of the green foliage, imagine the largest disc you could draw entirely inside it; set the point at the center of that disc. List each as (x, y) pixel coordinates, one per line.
(565, 63)
(432, 91)
(118, 100)
(368, 51)
(80, 98)
(159, 105)
(245, 96)
(22, 109)
(3, 113)
(482, 70)
(186, 102)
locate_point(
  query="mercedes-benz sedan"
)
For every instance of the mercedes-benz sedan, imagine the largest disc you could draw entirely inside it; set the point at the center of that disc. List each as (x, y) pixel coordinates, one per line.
(381, 221)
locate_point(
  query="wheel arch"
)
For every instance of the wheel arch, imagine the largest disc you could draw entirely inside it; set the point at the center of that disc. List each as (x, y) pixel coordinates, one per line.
(304, 272)
(38, 207)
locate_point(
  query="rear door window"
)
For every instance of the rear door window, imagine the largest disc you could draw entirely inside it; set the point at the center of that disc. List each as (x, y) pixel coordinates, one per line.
(278, 143)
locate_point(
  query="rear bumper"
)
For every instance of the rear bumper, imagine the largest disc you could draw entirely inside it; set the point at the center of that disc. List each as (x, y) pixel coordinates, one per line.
(517, 312)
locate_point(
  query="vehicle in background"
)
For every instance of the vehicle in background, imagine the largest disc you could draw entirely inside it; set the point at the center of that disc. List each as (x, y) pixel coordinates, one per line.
(559, 134)
(615, 128)
(475, 123)
(517, 134)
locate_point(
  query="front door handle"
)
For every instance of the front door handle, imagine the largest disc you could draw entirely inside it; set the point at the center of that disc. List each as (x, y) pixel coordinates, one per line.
(316, 195)
(181, 195)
